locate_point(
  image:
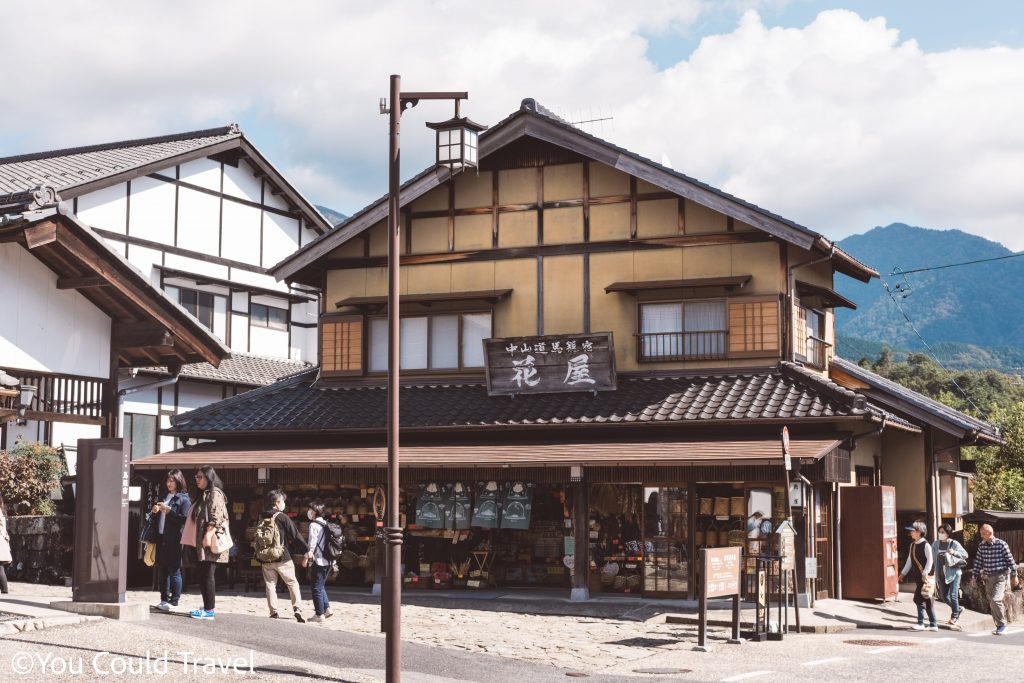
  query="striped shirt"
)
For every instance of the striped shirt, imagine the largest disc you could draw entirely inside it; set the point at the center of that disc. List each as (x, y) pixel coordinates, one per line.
(993, 558)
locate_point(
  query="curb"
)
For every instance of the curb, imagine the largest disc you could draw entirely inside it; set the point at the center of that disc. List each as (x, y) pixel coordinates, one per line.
(804, 628)
(16, 626)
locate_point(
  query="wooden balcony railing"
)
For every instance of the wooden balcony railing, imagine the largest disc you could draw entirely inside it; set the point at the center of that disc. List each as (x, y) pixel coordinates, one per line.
(63, 398)
(676, 346)
(817, 352)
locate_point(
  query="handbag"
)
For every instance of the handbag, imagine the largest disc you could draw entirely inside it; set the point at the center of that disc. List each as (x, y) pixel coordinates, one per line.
(188, 532)
(927, 580)
(221, 541)
(150, 557)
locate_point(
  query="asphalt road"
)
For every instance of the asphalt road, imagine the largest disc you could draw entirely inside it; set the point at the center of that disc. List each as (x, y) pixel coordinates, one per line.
(352, 651)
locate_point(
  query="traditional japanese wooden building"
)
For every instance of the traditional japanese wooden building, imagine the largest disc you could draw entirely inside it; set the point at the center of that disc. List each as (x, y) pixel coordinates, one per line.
(599, 354)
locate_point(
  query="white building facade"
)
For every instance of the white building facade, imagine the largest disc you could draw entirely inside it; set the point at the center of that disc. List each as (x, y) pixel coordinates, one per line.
(202, 216)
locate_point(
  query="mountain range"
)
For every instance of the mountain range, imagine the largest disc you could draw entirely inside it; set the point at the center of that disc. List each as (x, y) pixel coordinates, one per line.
(972, 316)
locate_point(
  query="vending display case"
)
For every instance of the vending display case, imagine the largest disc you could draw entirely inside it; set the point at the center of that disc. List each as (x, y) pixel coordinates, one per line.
(869, 532)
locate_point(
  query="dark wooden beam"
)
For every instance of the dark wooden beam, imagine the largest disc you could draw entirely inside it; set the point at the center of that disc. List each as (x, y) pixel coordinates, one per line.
(41, 234)
(696, 240)
(81, 282)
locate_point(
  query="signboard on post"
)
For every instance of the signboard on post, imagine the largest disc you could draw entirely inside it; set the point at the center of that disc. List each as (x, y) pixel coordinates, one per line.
(100, 562)
(785, 449)
(720, 577)
(550, 364)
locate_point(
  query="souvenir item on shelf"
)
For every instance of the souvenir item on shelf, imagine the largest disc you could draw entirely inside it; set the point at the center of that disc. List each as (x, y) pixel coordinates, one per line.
(707, 506)
(458, 510)
(721, 506)
(736, 507)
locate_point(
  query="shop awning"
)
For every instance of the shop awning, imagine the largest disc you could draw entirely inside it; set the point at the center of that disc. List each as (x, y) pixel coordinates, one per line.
(728, 282)
(822, 297)
(608, 454)
(489, 295)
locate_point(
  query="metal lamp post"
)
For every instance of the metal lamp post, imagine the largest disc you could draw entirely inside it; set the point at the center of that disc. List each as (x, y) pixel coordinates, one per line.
(458, 151)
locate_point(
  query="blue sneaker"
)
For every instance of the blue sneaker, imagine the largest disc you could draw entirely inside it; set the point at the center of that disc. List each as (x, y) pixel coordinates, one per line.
(1000, 630)
(203, 614)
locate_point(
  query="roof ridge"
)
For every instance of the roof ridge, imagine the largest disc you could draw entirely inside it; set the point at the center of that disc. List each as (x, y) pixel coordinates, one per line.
(231, 129)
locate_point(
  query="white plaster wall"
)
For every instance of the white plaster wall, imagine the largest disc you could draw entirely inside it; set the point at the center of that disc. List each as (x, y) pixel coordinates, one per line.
(257, 279)
(44, 328)
(198, 221)
(266, 342)
(192, 395)
(192, 265)
(280, 238)
(151, 212)
(241, 226)
(203, 172)
(239, 332)
(67, 434)
(106, 209)
(240, 181)
(144, 259)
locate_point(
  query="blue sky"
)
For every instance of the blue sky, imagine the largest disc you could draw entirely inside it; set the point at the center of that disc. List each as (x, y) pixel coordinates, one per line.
(840, 116)
(934, 24)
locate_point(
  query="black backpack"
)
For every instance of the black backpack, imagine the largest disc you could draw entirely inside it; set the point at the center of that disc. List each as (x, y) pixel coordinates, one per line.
(332, 542)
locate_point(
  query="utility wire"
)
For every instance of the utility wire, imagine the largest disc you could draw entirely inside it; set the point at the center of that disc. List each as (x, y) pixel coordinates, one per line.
(899, 271)
(933, 355)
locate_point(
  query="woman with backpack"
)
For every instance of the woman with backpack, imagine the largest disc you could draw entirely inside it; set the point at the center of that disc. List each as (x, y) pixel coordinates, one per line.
(320, 566)
(209, 516)
(172, 508)
(950, 559)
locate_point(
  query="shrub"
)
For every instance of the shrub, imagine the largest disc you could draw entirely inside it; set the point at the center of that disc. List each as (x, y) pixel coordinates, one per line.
(28, 473)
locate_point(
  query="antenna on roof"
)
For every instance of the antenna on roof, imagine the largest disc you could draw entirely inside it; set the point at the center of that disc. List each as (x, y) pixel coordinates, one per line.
(581, 119)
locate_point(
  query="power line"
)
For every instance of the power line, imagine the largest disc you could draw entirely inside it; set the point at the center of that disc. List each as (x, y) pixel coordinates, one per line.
(899, 271)
(933, 355)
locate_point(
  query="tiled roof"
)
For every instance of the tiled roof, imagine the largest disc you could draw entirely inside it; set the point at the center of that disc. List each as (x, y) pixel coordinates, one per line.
(885, 388)
(241, 368)
(63, 169)
(301, 403)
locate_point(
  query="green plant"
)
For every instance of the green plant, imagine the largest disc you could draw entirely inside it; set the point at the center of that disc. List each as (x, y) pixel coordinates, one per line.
(28, 473)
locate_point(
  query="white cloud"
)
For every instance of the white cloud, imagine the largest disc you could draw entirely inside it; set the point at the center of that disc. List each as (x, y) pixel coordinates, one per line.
(839, 125)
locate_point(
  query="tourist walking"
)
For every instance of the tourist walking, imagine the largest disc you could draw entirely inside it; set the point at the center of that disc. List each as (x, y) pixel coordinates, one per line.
(950, 559)
(212, 538)
(5, 546)
(320, 567)
(919, 564)
(274, 541)
(993, 562)
(172, 510)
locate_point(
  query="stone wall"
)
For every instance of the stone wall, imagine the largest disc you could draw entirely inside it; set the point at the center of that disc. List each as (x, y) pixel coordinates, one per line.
(1013, 600)
(41, 548)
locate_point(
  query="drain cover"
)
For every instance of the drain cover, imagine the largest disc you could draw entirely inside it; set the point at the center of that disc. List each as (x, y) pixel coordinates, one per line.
(576, 674)
(656, 670)
(879, 643)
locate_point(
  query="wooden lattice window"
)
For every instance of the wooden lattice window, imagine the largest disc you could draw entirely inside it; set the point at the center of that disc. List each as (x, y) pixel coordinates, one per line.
(754, 327)
(341, 344)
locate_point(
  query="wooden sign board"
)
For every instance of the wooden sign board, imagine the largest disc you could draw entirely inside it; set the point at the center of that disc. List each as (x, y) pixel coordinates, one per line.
(787, 545)
(722, 572)
(550, 364)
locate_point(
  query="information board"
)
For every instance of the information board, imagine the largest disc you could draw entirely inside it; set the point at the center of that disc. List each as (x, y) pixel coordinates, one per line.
(723, 571)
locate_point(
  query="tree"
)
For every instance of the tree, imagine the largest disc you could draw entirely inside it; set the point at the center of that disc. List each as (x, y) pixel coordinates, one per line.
(28, 473)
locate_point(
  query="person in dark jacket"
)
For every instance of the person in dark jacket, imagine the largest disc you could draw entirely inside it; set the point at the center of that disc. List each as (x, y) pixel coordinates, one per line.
(920, 564)
(283, 568)
(172, 509)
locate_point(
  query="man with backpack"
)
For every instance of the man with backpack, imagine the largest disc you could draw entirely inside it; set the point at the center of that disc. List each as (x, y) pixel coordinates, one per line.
(325, 543)
(273, 542)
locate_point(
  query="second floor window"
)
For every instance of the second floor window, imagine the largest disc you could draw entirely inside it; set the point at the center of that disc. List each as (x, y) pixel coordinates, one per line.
(448, 341)
(682, 330)
(270, 317)
(199, 304)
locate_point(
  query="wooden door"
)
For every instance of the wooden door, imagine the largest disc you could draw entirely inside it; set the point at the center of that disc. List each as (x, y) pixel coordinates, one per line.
(821, 524)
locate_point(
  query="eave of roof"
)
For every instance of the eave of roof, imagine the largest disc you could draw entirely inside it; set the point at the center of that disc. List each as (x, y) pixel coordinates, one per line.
(901, 399)
(758, 397)
(534, 120)
(132, 289)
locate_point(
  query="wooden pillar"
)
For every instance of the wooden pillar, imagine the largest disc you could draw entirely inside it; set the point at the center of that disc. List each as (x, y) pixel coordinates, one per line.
(109, 398)
(581, 534)
(931, 506)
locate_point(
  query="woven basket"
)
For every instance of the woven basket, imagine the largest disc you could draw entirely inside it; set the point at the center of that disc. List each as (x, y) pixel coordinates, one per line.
(711, 538)
(721, 507)
(607, 579)
(698, 538)
(633, 581)
(737, 538)
(619, 583)
(736, 507)
(707, 506)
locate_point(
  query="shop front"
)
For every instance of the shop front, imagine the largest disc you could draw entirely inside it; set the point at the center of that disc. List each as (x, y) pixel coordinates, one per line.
(538, 516)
